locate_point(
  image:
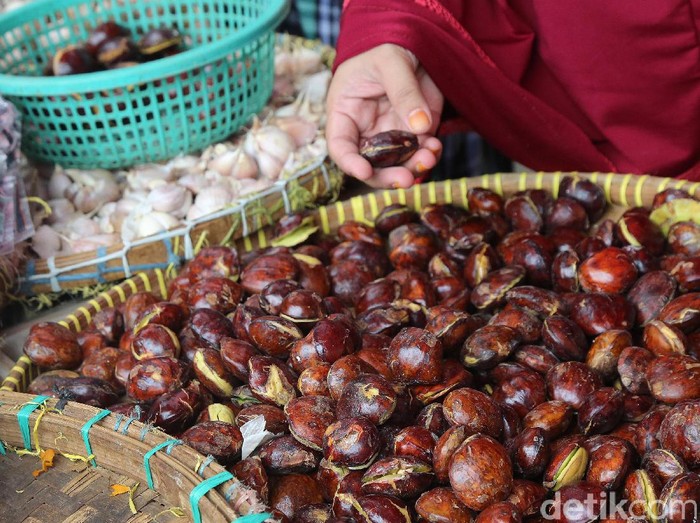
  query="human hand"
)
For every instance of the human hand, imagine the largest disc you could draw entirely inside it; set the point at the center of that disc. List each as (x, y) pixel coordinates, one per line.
(379, 90)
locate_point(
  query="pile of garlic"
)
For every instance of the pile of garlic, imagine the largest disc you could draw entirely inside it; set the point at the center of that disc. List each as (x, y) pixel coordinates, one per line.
(98, 208)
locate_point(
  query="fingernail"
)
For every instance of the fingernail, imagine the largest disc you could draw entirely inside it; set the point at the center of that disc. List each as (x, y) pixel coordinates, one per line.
(395, 185)
(419, 121)
(420, 168)
(435, 150)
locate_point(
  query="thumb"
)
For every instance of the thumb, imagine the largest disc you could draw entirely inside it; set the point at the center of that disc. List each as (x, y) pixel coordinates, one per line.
(404, 93)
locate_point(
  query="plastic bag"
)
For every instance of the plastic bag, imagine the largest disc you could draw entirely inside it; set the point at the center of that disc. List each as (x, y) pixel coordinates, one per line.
(15, 217)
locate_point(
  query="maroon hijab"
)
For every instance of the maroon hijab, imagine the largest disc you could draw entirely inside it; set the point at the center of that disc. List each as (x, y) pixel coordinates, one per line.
(594, 85)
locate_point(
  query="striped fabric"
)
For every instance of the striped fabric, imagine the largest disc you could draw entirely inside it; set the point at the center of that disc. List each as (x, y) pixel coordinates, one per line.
(315, 19)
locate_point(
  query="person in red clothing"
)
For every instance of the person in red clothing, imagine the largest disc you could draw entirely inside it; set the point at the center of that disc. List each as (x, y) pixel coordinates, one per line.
(554, 84)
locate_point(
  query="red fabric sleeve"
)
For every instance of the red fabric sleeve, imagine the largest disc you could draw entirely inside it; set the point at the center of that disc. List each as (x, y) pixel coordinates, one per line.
(486, 59)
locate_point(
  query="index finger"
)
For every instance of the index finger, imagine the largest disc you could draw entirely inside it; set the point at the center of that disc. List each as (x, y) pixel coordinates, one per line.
(343, 137)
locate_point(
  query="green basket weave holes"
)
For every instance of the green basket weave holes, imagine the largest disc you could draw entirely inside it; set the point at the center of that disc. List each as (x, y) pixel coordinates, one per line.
(149, 112)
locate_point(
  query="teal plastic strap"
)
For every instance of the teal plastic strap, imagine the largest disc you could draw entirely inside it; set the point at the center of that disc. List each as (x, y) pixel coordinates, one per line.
(204, 487)
(85, 431)
(147, 457)
(207, 461)
(23, 419)
(253, 518)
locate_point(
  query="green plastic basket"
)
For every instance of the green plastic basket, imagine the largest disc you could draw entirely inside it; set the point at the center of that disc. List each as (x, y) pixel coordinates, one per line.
(148, 112)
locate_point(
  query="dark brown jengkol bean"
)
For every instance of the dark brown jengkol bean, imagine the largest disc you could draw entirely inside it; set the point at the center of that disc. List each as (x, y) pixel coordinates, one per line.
(389, 148)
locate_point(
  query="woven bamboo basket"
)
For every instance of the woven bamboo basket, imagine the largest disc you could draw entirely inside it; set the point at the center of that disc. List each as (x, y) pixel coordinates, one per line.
(316, 184)
(622, 192)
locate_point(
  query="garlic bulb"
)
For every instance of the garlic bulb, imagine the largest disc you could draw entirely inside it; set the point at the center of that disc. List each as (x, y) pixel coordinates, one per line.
(90, 243)
(234, 162)
(171, 198)
(193, 182)
(61, 210)
(58, 183)
(147, 176)
(185, 164)
(283, 90)
(306, 61)
(271, 147)
(46, 241)
(298, 61)
(315, 87)
(210, 200)
(91, 189)
(156, 222)
(137, 195)
(104, 218)
(143, 221)
(81, 226)
(270, 166)
(222, 162)
(250, 186)
(245, 166)
(299, 128)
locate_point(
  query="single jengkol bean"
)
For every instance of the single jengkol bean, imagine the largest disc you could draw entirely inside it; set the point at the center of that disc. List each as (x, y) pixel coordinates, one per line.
(389, 148)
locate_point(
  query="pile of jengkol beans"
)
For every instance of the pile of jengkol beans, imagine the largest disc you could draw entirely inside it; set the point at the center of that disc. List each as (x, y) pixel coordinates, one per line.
(504, 363)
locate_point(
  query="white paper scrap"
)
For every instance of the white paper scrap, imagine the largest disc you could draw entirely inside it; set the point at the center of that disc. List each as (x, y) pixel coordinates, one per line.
(254, 435)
